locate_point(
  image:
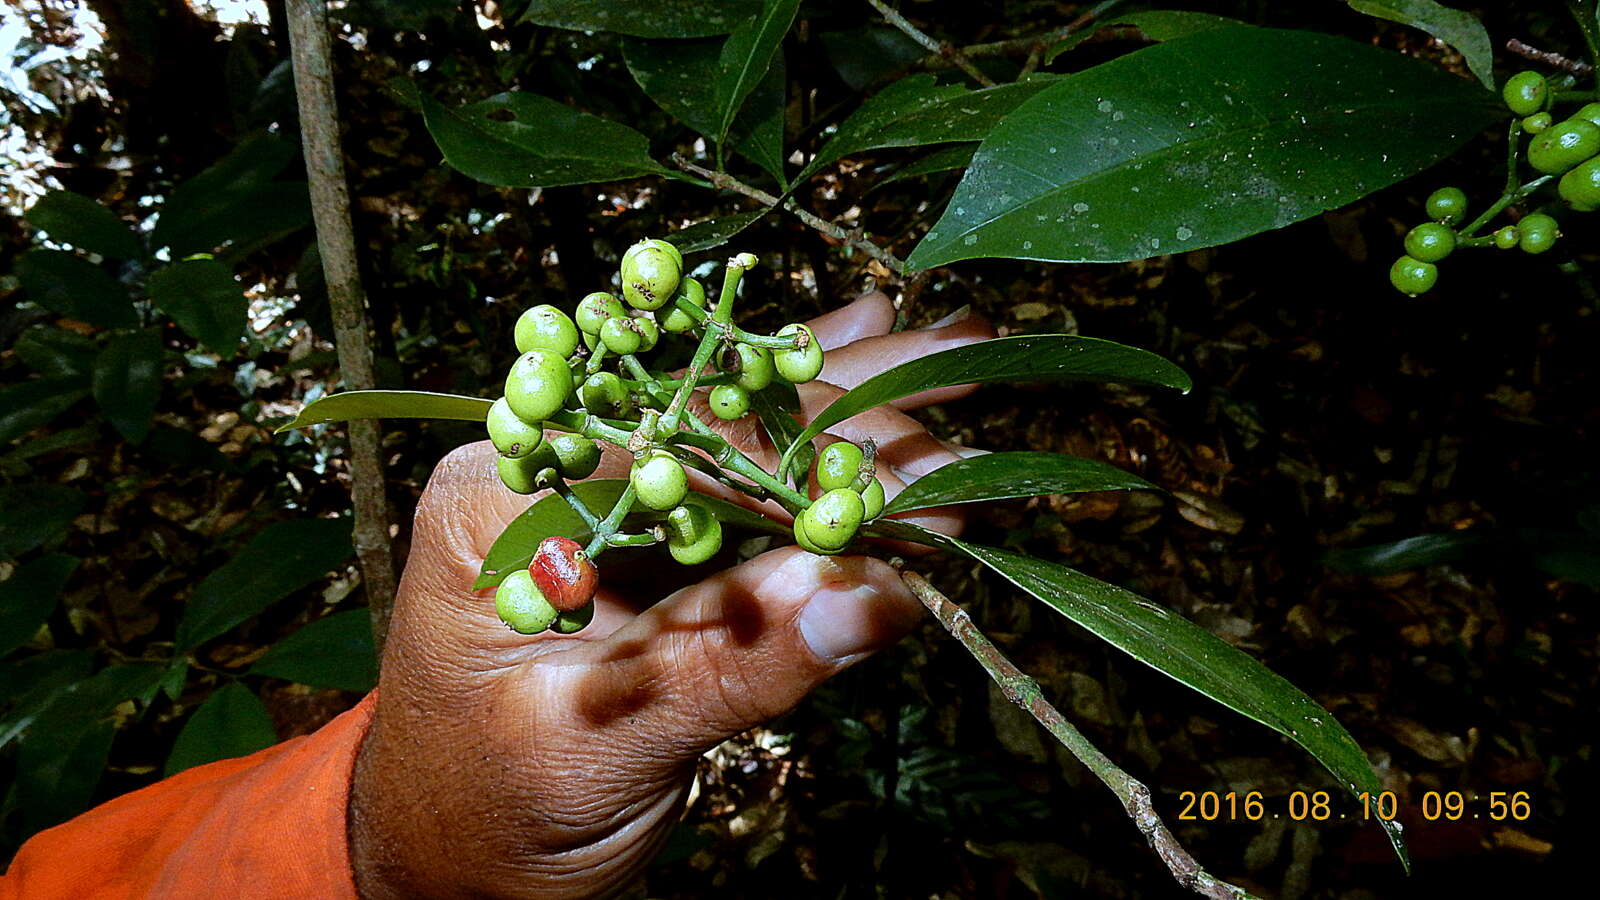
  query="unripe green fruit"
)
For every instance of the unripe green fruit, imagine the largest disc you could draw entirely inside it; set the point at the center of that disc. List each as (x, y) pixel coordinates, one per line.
(752, 367)
(831, 521)
(544, 327)
(603, 393)
(1447, 204)
(1412, 276)
(595, 309)
(649, 333)
(729, 402)
(800, 365)
(574, 621)
(539, 382)
(1538, 122)
(694, 534)
(576, 457)
(1537, 233)
(522, 475)
(649, 278)
(1563, 146)
(1589, 112)
(666, 247)
(1430, 242)
(1506, 238)
(619, 337)
(676, 320)
(838, 466)
(872, 499)
(659, 480)
(1581, 186)
(509, 434)
(1525, 93)
(521, 605)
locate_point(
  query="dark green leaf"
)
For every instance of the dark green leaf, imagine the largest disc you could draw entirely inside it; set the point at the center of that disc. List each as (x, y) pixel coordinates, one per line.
(182, 448)
(72, 286)
(1029, 357)
(744, 60)
(55, 440)
(29, 596)
(1171, 24)
(1459, 29)
(1405, 555)
(389, 405)
(998, 476)
(77, 220)
(34, 514)
(523, 140)
(1164, 150)
(644, 18)
(127, 382)
(56, 352)
(58, 769)
(88, 698)
(863, 55)
(174, 678)
(283, 558)
(232, 722)
(713, 232)
(956, 156)
(26, 406)
(776, 406)
(30, 682)
(206, 301)
(335, 652)
(235, 201)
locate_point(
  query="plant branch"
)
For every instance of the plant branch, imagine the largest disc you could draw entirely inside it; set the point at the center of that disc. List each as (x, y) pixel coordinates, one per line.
(949, 51)
(311, 49)
(1023, 46)
(1025, 692)
(1549, 58)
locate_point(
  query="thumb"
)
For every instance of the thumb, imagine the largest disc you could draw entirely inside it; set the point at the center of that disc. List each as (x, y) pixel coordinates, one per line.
(742, 647)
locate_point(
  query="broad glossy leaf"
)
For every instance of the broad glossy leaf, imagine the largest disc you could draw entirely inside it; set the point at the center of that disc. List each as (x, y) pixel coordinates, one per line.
(349, 405)
(744, 60)
(518, 139)
(945, 159)
(333, 652)
(56, 352)
(999, 476)
(1164, 150)
(1459, 29)
(232, 722)
(1180, 649)
(644, 18)
(713, 232)
(235, 201)
(26, 406)
(77, 220)
(91, 698)
(32, 514)
(70, 285)
(29, 596)
(283, 558)
(127, 382)
(1028, 357)
(206, 301)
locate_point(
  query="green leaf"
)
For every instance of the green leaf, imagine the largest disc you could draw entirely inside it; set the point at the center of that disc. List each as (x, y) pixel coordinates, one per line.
(127, 382)
(349, 405)
(1404, 555)
(69, 285)
(283, 558)
(1028, 357)
(34, 514)
(334, 652)
(26, 406)
(956, 156)
(524, 140)
(1000, 476)
(56, 352)
(776, 406)
(1181, 650)
(1164, 150)
(90, 698)
(58, 769)
(744, 59)
(232, 722)
(235, 201)
(77, 220)
(644, 18)
(1459, 29)
(30, 682)
(206, 301)
(29, 596)
(713, 232)
(1156, 24)
(866, 54)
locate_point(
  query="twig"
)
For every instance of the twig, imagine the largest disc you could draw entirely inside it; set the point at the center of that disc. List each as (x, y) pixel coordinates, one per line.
(1023, 46)
(311, 49)
(1549, 58)
(1025, 692)
(850, 236)
(948, 51)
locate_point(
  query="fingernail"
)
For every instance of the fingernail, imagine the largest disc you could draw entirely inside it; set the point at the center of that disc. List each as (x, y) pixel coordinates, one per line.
(837, 622)
(951, 319)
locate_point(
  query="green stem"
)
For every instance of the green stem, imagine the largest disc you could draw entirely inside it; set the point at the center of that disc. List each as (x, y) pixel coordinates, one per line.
(590, 426)
(560, 486)
(597, 358)
(1505, 201)
(607, 528)
(642, 539)
(734, 460)
(722, 315)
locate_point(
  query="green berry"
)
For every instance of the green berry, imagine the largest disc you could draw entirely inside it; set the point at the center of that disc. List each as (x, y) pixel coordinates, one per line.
(649, 333)
(1413, 276)
(1537, 233)
(693, 534)
(1447, 204)
(677, 321)
(751, 367)
(539, 382)
(574, 621)
(522, 605)
(831, 521)
(522, 475)
(730, 402)
(1525, 93)
(1562, 146)
(544, 327)
(659, 480)
(1430, 242)
(1589, 112)
(603, 393)
(619, 335)
(1581, 187)
(872, 499)
(576, 457)
(1506, 238)
(1538, 122)
(805, 542)
(595, 309)
(510, 435)
(801, 364)
(838, 466)
(666, 247)
(649, 278)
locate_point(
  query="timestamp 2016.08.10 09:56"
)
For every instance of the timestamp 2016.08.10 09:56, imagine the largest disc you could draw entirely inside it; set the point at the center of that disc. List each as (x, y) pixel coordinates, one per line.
(1323, 806)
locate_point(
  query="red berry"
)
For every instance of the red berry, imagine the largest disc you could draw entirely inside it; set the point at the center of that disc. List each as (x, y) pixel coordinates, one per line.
(564, 573)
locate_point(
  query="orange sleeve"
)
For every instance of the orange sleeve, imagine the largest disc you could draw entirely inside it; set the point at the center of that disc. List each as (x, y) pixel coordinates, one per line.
(271, 824)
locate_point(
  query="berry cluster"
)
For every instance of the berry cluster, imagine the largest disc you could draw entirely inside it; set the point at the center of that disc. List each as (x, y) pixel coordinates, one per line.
(1569, 148)
(561, 401)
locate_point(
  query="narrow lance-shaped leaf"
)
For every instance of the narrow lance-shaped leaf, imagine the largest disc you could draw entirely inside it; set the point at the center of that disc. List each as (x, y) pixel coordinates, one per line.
(77, 220)
(643, 18)
(745, 57)
(127, 382)
(1000, 476)
(1459, 29)
(349, 405)
(72, 286)
(945, 159)
(29, 596)
(713, 232)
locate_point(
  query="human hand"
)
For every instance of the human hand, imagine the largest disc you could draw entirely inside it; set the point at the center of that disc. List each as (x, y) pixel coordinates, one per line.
(499, 765)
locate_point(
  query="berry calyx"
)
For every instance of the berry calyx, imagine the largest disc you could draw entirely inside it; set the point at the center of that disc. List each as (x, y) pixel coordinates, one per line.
(649, 277)
(1525, 93)
(832, 520)
(677, 321)
(1413, 276)
(659, 480)
(1430, 242)
(838, 465)
(1506, 238)
(619, 335)
(694, 534)
(595, 309)
(1581, 186)
(564, 573)
(1537, 233)
(1447, 204)
(509, 433)
(544, 327)
(522, 606)
(729, 402)
(1564, 145)
(802, 364)
(538, 385)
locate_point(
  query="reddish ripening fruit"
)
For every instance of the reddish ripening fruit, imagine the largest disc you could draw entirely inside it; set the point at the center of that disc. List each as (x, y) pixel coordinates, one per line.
(564, 573)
